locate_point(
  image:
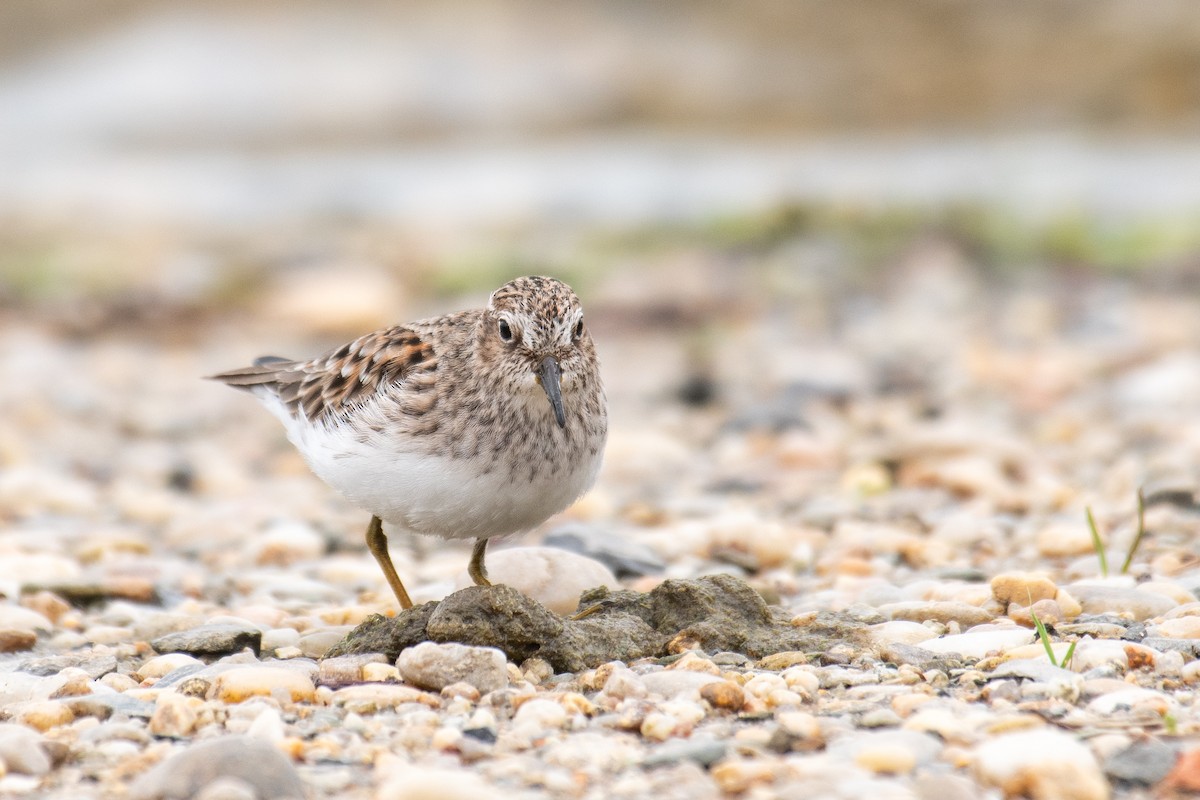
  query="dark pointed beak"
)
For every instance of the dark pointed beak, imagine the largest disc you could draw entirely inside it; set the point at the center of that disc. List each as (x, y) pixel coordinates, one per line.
(550, 376)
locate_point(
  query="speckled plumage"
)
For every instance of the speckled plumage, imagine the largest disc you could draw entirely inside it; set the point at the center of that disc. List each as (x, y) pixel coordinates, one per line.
(444, 427)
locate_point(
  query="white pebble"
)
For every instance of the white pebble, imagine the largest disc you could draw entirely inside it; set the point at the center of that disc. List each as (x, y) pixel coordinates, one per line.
(1042, 764)
(553, 577)
(435, 666)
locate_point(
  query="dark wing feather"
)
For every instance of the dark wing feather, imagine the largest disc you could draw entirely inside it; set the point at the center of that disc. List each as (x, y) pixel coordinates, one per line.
(348, 376)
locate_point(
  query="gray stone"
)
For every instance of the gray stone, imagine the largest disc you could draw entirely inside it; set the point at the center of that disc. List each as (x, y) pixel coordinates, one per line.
(1189, 647)
(178, 675)
(96, 666)
(103, 706)
(210, 640)
(627, 559)
(916, 656)
(700, 750)
(188, 773)
(1145, 762)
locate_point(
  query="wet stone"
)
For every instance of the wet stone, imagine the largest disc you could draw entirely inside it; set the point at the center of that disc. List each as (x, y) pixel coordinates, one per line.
(210, 640)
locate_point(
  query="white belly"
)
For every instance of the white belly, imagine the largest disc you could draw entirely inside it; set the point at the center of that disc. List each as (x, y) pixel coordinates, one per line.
(437, 495)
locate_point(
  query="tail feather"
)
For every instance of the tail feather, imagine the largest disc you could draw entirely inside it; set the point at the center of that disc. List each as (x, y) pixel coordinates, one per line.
(268, 372)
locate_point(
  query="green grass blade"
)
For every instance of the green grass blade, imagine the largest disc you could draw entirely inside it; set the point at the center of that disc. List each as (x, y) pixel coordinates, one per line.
(1066, 662)
(1097, 545)
(1045, 637)
(1141, 531)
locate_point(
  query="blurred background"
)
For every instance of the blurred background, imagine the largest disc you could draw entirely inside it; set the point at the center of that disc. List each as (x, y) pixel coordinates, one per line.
(196, 153)
(763, 205)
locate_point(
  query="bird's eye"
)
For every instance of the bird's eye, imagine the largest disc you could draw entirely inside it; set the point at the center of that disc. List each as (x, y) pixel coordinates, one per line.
(505, 331)
(578, 329)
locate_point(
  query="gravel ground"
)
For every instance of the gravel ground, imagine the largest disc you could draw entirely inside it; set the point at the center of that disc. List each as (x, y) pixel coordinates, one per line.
(911, 459)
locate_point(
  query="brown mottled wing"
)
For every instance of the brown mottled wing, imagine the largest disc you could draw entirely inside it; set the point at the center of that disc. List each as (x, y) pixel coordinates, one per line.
(326, 387)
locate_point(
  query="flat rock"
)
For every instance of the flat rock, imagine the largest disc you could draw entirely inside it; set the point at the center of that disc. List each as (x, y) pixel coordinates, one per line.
(210, 640)
(186, 774)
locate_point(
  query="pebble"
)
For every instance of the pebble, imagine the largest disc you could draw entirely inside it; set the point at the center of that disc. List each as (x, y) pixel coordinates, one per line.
(1184, 775)
(240, 684)
(21, 750)
(1142, 763)
(175, 715)
(893, 752)
(411, 782)
(343, 670)
(540, 715)
(14, 617)
(1120, 600)
(13, 640)
(160, 666)
(671, 683)
(1023, 588)
(724, 695)
(702, 750)
(1042, 764)
(1180, 628)
(44, 715)
(902, 632)
(315, 644)
(257, 764)
(1133, 699)
(978, 644)
(210, 640)
(435, 666)
(940, 611)
(553, 577)
(626, 558)
(371, 698)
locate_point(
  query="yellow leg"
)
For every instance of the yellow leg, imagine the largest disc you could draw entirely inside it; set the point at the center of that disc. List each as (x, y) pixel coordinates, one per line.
(377, 544)
(476, 568)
